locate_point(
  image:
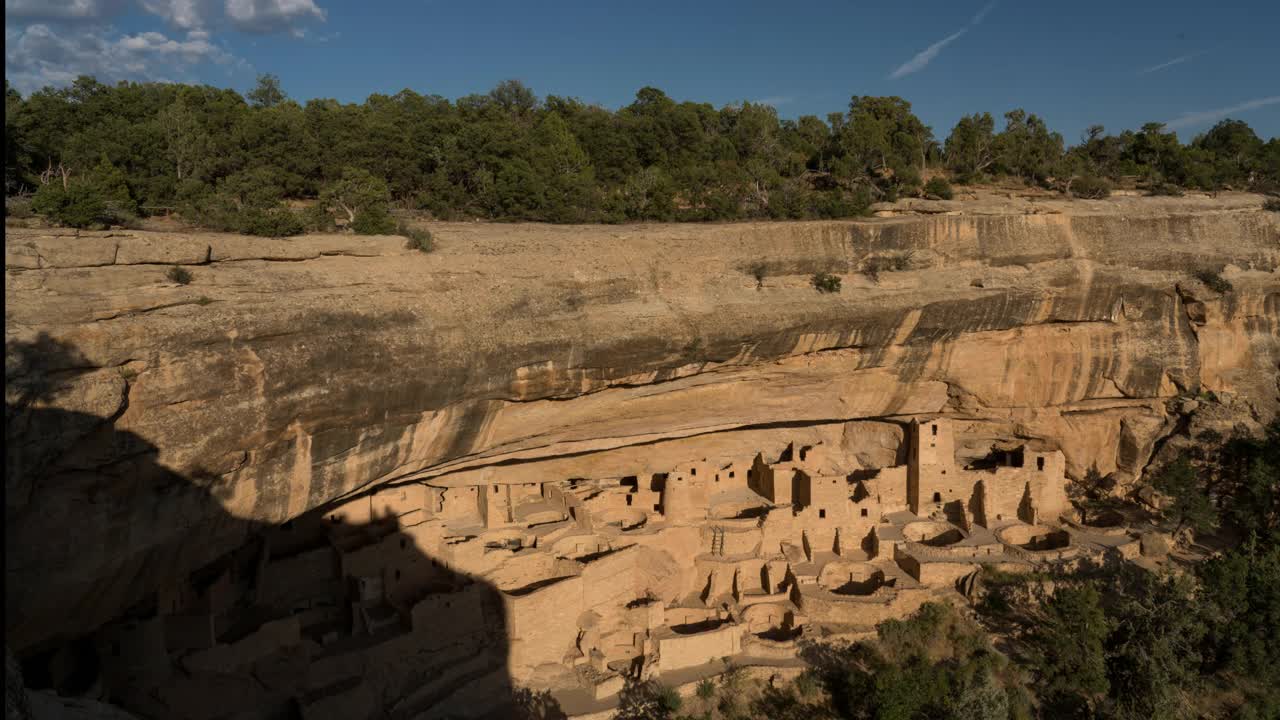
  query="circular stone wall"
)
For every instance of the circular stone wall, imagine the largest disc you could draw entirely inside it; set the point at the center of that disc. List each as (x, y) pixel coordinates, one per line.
(1036, 538)
(930, 532)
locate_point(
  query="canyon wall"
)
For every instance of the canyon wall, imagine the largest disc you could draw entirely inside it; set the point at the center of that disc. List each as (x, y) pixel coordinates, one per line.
(154, 426)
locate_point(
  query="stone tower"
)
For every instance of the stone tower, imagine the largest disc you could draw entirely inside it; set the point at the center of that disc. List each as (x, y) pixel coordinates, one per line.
(932, 480)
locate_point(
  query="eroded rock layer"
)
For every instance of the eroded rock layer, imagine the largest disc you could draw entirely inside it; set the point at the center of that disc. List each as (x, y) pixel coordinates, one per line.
(157, 425)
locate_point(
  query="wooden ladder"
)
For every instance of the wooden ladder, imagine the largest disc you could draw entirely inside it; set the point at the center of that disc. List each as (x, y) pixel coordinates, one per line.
(717, 540)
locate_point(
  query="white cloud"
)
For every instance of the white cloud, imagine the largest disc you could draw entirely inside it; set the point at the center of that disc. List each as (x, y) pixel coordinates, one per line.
(1169, 63)
(183, 14)
(926, 56)
(269, 16)
(1195, 119)
(982, 14)
(51, 42)
(38, 55)
(60, 10)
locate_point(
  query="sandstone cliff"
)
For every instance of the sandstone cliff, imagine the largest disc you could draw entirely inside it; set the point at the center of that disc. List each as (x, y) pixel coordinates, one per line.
(289, 373)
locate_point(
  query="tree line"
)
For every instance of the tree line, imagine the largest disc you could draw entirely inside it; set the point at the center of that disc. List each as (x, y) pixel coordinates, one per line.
(94, 153)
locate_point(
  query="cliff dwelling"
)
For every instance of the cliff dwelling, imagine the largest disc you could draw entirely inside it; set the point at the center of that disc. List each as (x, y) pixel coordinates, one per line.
(277, 492)
(584, 582)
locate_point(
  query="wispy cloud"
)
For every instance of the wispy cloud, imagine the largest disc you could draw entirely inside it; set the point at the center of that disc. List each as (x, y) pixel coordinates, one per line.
(926, 56)
(1169, 63)
(1194, 119)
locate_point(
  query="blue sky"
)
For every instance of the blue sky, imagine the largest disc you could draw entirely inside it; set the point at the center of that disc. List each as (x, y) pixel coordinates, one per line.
(1120, 63)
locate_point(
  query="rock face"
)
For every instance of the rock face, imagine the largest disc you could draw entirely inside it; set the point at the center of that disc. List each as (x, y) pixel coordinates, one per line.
(157, 424)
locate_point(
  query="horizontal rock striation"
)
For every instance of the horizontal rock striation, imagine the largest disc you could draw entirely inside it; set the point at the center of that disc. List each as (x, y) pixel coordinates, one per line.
(157, 424)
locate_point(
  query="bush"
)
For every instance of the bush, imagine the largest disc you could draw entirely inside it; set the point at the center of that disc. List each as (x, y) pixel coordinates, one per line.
(18, 207)
(1091, 187)
(1213, 281)
(78, 205)
(826, 283)
(277, 221)
(1166, 190)
(1272, 204)
(420, 240)
(373, 220)
(219, 212)
(759, 271)
(939, 188)
(317, 219)
(178, 274)
(888, 262)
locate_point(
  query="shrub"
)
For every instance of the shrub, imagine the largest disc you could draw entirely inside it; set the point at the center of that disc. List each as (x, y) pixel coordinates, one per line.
(759, 271)
(1272, 204)
(277, 221)
(1091, 187)
(317, 219)
(220, 212)
(18, 207)
(938, 187)
(78, 205)
(420, 240)
(373, 220)
(179, 274)
(363, 199)
(826, 283)
(1213, 280)
(1166, 190)
(888, 262)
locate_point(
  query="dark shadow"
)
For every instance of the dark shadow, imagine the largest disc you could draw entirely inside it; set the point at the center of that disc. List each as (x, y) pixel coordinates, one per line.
(119, 587)
(998, 457)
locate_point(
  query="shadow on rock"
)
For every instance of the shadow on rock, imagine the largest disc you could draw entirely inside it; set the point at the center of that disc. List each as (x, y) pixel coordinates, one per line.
(116, 591)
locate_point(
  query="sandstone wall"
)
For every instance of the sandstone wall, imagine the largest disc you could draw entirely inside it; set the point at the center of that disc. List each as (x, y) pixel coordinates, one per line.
(170, 421)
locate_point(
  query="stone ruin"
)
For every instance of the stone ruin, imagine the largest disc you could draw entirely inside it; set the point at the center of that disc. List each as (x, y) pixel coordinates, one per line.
(584, 582)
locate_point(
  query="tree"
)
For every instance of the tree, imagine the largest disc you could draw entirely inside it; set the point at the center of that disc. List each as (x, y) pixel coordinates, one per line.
(884, 141)
(513, 96)
(646, 700)
(363, 198)
(1153, 649)
(1235, 151)
(267, 93)
(186, 142)
(110, 184)
(1026, 148)
(970, 148)
(77, 204)
(1092, 493)
(1070, 653)
(1190, 505)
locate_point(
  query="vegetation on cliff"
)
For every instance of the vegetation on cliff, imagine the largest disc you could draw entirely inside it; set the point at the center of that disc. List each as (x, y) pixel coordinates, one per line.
(96, 154)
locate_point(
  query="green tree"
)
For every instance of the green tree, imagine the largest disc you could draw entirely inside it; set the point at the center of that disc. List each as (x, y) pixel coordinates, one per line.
(1190, 505)
(77, 204)
(970, 148)
(357, 192)
(882, 140)
(1234, 152)
(1026, 148)
(267, 93)
(1153, 651)
(1070, 651)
